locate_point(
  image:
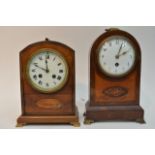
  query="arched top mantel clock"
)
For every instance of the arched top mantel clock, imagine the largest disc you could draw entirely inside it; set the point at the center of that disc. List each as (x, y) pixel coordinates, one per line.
(47, 74)
(115, 67)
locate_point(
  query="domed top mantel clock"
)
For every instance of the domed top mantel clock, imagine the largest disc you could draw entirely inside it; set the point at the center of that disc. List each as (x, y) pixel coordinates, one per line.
(115, 63)
(47, 73)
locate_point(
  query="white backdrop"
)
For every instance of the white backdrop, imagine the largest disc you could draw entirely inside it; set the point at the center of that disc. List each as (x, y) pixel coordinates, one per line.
(14, 39)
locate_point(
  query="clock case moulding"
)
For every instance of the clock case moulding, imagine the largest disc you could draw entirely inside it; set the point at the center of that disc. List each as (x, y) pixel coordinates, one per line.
(104, 103)
(46, 108)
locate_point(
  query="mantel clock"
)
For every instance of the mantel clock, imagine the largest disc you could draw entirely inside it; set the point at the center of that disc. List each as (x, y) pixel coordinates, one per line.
(115, 63)
(47, 74)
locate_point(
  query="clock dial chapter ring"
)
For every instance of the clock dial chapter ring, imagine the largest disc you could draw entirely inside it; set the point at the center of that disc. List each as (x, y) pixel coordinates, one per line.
(44, 65)
(116, 56)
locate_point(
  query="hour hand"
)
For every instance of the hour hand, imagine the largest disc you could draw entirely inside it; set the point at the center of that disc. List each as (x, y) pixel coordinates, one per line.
(123, 53)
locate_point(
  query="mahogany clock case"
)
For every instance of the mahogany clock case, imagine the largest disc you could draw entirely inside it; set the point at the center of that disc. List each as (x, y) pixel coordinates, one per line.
(56, 107)
(114, 98)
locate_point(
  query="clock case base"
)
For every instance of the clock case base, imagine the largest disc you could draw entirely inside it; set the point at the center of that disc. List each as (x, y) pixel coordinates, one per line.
(113, 113)
(38, 119)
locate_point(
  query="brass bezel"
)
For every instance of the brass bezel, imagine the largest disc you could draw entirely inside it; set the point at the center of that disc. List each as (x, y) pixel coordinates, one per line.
(119, 75)
(33, 84)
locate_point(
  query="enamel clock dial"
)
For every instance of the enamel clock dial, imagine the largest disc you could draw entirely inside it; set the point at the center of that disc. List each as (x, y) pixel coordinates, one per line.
(47, 71)
(116, 56)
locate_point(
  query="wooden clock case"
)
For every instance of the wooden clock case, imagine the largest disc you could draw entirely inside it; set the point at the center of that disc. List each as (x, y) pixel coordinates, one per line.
(114, 98)
(57, 107)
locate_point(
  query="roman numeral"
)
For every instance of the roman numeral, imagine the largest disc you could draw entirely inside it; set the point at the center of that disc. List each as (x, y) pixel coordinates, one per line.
(33, 70)
(104, 49)
(35, 64)
(40, 58)
(47, 56)
(35, 77)
(110, 44)
(59, 64)
(128, 63)
(59, 77)
(60, 71)
(54, 58)
(40, 82)
(123, 44)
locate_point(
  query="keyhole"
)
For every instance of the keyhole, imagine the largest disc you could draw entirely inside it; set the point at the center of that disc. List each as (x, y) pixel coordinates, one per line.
(116, 64)
(40, 75)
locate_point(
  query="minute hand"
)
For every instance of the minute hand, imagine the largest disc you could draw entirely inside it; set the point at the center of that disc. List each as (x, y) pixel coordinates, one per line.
(46, 63)
(118, 54)
(40, 67)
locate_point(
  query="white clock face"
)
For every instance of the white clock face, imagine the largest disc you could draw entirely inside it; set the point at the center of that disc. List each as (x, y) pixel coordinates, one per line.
(116, 56)
(47, 71)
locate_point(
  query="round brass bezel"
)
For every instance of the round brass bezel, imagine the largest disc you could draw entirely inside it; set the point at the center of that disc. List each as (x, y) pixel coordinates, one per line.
(39, 88)
(117, 75)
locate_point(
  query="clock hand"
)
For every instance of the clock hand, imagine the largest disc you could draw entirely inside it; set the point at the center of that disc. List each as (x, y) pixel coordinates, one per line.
(117, 55)
(39, 67)
(124, 53)
(47, 69)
